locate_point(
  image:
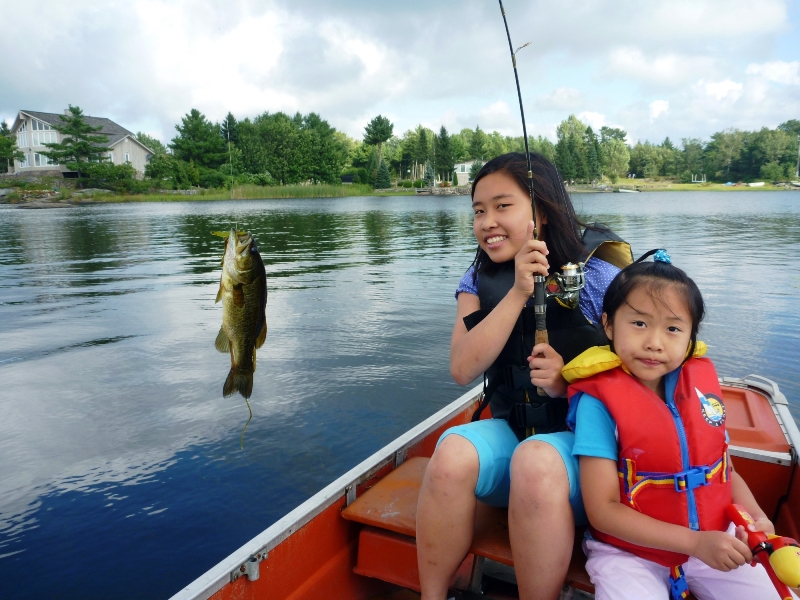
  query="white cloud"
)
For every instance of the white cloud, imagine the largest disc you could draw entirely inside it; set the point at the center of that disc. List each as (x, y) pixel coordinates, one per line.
(593, 119)
(657, 108)
(777, 71)
(721, 90)
(561, 98)
(661, 70)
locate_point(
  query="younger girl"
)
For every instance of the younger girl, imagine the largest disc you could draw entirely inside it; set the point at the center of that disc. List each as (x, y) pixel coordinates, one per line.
(650, 433)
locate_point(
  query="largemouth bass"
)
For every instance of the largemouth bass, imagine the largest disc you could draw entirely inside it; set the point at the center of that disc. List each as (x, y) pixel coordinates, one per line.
(243, 291)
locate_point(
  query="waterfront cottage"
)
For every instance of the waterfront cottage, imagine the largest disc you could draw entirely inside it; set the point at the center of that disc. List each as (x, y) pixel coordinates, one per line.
(462, 171)
(35, 129)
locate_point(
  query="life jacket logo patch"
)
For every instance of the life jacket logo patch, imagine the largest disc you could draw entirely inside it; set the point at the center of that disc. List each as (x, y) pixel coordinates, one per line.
(712, 407)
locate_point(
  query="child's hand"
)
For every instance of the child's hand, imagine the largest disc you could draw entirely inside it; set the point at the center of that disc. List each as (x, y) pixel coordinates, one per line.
(530, 260)
(546, 365)
(721, 551)
(762, 524)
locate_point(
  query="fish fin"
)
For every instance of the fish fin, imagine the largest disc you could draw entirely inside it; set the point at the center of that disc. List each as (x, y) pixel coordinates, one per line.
(222, 343)
(238, 382)
(222, 234)
(254, 360)
(238, 295)
(220, 292)
(262, 336)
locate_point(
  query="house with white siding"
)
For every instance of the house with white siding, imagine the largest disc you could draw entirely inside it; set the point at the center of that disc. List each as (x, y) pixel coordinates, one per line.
(462, 172)
(35, 129)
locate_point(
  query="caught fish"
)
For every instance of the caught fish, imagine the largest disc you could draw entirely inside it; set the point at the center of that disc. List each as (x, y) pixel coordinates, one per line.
(243, 291)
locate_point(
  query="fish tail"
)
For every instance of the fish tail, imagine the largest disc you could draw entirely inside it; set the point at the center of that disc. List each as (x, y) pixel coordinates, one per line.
(238, 382)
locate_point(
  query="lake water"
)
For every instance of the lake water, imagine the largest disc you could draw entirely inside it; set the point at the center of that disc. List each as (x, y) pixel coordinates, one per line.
(121, 472)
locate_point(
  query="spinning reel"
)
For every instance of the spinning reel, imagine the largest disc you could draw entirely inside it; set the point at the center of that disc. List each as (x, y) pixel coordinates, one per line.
(564, 286)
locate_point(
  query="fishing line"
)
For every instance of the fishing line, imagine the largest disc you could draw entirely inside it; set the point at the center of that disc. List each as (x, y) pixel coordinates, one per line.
(241, 439)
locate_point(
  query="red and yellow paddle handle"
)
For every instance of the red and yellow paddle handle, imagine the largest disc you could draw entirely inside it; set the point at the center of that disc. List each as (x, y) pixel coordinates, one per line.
(779, 555)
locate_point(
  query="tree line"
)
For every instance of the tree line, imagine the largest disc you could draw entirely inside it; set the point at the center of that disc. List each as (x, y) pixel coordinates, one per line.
(279, 149)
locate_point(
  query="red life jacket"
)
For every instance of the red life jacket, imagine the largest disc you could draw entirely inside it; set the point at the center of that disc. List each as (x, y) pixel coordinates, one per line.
(672, 455)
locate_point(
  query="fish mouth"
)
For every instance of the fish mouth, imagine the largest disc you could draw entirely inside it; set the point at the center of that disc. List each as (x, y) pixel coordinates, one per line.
(240, 242)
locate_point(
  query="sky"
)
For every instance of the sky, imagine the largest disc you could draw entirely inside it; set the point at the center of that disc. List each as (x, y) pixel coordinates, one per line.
(677, 68)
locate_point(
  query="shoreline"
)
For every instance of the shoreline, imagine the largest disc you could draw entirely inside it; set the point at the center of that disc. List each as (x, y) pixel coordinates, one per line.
(34, 199)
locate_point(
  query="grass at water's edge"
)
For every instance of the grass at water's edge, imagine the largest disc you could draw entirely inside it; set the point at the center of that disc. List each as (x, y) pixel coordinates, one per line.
(256, 192)
(666, 186)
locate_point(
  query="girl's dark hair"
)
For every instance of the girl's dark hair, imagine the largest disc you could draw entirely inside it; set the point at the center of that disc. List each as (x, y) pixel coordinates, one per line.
(655, 277)
(563, 235)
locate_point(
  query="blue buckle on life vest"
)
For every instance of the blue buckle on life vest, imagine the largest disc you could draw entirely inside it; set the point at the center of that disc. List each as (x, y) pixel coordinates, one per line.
(692, 478)
(678, 588)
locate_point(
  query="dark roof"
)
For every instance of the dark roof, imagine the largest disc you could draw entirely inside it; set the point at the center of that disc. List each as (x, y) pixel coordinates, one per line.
(111, 130)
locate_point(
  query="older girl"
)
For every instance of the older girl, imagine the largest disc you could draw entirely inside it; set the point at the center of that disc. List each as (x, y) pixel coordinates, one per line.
(494, 334)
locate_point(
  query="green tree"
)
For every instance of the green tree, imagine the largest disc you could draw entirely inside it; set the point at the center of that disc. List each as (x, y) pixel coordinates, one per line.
(377, 132)
(199, 141)
(617, 158)
(382, 180)
(592, 155)
(155, 145)
(229, 129)
(80, 143)
(571, 155)
(8, 146)
(474, 169)
(772, 171)
(723, 151)
(429, 175)
(477, 144)
(792, 127)
(444, 153)
(612, 133)
(564, 161)
(692, 155)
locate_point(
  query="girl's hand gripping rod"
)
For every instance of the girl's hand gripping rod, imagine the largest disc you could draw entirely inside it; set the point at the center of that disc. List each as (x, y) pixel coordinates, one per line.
(779, 555)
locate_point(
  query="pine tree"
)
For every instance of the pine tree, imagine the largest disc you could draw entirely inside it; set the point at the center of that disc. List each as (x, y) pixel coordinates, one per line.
(80, 143)
(429, 175)
(8, 146)
(199, 141)
(475, 169)
(383, 180)
(564, 161)
(377, 132)
(229, 129)
(592, 160)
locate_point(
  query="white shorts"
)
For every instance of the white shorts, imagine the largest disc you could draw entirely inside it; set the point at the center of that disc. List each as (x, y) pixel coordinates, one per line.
(620, 575)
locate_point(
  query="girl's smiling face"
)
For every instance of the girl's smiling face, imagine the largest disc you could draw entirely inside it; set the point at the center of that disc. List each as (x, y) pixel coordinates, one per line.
(502, 213)
(651, 335)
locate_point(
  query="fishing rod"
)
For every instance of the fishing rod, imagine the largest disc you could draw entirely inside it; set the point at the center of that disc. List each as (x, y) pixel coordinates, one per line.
(566, 285)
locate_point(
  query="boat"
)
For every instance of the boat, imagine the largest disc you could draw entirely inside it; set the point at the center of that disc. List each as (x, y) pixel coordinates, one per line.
(626, 190)
(355, 538)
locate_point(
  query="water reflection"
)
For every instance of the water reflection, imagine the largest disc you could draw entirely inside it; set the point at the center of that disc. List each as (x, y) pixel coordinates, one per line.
(115, 440)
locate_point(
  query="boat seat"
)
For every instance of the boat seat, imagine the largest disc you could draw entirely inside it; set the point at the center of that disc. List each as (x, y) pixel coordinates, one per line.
(389, 508)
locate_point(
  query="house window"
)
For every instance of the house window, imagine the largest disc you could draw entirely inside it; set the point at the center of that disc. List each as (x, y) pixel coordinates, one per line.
(22, 140)
(47, 137)
(40, 160)
(463, 168)
(40, 126)
(26, 162)
(127, 157)
(23, 127)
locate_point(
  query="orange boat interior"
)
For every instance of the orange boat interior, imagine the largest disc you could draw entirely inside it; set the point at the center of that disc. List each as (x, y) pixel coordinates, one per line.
(367, 549)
